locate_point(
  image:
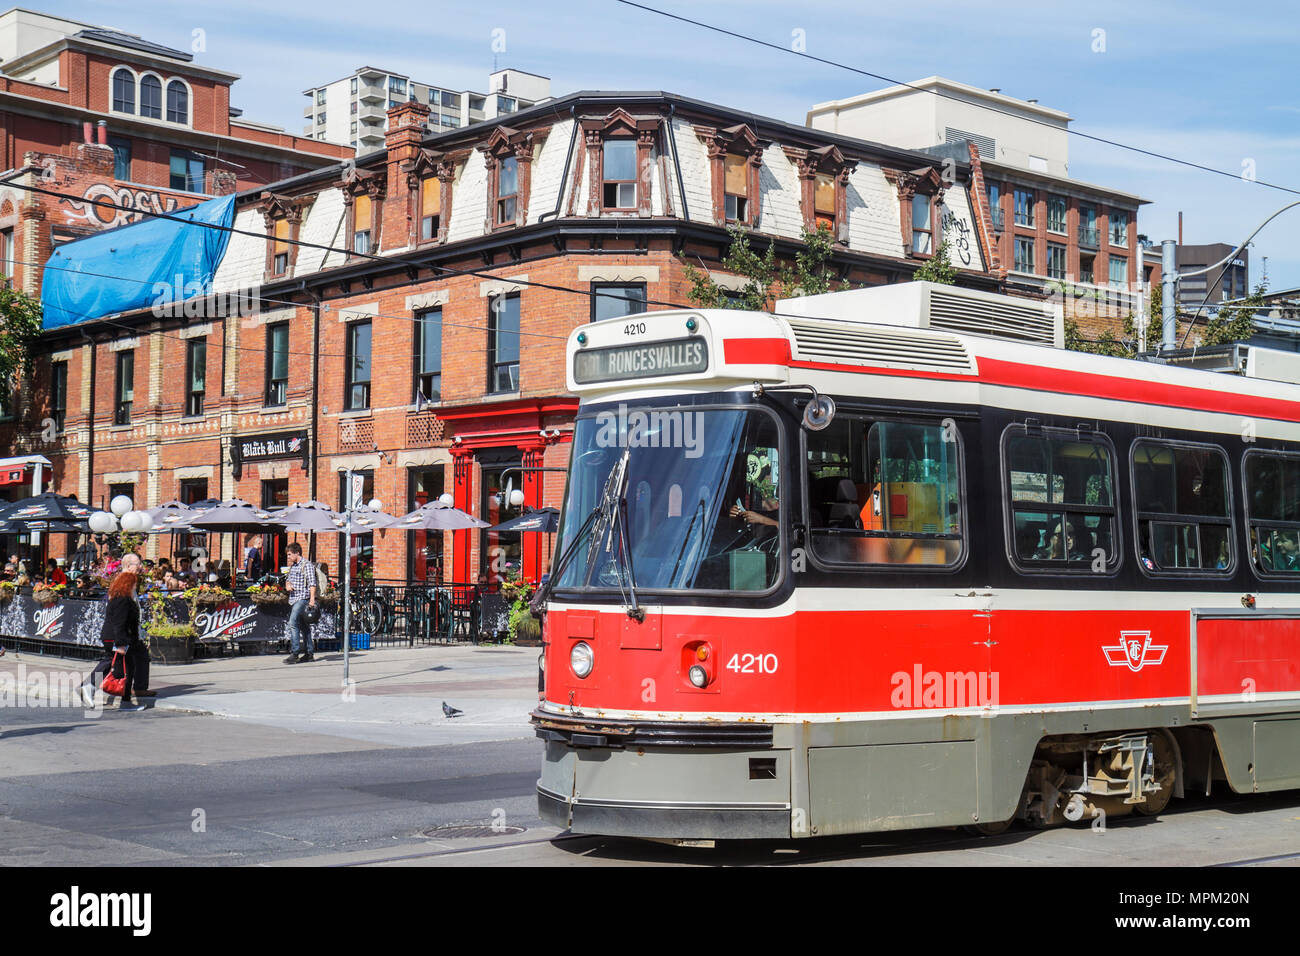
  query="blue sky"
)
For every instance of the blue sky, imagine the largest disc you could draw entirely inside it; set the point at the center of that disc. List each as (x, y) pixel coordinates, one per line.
(1212, 83)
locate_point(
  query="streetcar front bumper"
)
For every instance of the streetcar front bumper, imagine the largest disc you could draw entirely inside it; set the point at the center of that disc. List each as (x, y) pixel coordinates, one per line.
(663, 779)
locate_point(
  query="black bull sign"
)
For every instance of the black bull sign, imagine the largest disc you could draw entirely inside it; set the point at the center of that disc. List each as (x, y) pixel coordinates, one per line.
(81, 621)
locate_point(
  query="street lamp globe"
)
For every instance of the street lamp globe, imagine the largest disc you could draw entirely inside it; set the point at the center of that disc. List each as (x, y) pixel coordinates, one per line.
(375, 505)
(516, 498)
(446, 500)
(101, 522)
(136, 521)
(121, 505)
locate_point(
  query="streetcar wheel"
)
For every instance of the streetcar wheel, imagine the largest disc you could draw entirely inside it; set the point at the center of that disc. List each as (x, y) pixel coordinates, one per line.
(989, 829)
(1164, 775)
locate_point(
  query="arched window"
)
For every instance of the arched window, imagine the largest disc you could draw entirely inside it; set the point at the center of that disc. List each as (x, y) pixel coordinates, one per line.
(178, 102)
(151, 97)
(123, 90)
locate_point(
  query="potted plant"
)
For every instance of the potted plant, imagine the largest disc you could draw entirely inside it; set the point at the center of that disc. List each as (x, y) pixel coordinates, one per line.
(207, 595)
(268, 594)
(525, 629)
(47, 593)
(170, 641)
(7, 591)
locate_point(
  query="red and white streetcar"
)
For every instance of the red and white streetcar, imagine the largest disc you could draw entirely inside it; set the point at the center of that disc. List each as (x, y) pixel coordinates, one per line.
(888, 559)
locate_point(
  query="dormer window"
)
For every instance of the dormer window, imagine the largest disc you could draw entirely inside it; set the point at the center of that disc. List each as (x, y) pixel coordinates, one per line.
(736, 188)
(824, 201)
(620, 178)
(922, 225)
(430, 207)
(823, 184)
(361, 218)
(507, 191)
(280, 248)
(920, 194)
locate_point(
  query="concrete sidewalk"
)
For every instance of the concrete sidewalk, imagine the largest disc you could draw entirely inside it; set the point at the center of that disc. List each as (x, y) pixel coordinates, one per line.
(394, 695)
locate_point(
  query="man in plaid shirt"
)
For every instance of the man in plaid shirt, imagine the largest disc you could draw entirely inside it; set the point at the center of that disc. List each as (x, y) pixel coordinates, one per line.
(302, 590)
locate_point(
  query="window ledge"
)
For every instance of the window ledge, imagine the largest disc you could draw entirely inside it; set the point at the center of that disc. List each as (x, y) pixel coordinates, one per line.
(191, 419)
(355, 413)
(273, 409)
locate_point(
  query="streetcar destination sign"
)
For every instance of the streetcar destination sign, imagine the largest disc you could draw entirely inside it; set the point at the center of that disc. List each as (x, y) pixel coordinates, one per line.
(644, 360)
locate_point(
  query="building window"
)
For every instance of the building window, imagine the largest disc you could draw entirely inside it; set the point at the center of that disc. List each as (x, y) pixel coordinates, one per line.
(430, 207)
(1062, 500)
(151, 97)
(450, 101)
(6, 252)
(1056, 214)
(428, 356)
(1118, 227)
(191, 491)
(178, 102)
(503, 343)
(196, 366)
(125, 387)
(1024, 254)
(735, 188)
(507, 190)
(1085, 269)
(187, 173)
(397, 85)
(121, 158)
(1184, 516)
(357, 373)
(614, 300)
(277, 363)
(424, 548)
(450, 121)
(354, 86)
(506, 104)
(1118, 272)
(922, 224)
(995, 205)
(500, 552)
(320, 119)
(59, 394)
(1055, 261)
(320, 94)
(620, 174)
(1024, 207)
(1088, 226)
(123, 91)
(361, 221)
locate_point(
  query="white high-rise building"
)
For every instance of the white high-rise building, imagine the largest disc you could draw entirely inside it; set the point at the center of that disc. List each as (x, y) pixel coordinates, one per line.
(355, 108)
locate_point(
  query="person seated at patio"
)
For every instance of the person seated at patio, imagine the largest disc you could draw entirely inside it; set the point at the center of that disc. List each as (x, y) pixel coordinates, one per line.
(223, 576)
(186, 573)
(54, 574)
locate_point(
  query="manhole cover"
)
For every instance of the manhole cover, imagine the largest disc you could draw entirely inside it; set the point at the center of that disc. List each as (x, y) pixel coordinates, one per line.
(471, 831)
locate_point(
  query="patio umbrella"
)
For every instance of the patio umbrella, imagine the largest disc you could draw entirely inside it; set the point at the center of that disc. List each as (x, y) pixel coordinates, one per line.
(309, 517)
(435, 516)
(236, 515)
(43, 508)
(171, 516)
(546, 520)
(363, 521)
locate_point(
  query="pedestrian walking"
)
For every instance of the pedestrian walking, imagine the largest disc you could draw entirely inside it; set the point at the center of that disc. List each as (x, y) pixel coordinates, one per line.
(301, 582)
(122, 627)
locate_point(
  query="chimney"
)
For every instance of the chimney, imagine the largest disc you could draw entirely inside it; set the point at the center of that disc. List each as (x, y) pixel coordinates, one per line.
(995, 89)
(1031, 101)
(103, 132)
(88, 132)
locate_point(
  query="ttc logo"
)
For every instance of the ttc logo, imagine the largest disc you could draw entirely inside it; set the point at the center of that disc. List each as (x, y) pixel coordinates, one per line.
(1135, 651)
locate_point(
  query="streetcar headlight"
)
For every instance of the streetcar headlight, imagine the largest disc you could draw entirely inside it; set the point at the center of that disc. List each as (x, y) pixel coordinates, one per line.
(581, 659)
(699, 677)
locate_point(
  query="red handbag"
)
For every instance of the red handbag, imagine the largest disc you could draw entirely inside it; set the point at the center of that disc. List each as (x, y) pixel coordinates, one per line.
(115, 680)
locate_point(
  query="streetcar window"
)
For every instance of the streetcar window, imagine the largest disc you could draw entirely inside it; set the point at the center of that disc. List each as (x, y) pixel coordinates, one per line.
(1062, 500)
(885, 493)
(702, 504)
(1184, 514)
(1273, 511)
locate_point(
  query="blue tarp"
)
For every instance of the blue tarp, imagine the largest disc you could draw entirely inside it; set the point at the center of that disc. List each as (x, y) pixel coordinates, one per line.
(138, 266)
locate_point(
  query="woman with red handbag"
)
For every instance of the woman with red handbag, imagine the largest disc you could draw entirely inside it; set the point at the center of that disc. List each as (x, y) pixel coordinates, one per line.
(122, 627)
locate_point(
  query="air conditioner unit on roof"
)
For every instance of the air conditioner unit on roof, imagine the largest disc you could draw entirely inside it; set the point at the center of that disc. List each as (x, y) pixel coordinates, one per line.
(929, 305)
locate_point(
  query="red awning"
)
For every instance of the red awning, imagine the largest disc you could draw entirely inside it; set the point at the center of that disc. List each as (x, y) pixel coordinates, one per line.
(13, 476)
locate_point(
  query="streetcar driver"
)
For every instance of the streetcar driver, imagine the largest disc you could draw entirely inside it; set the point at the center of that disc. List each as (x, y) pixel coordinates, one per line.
(768, 507)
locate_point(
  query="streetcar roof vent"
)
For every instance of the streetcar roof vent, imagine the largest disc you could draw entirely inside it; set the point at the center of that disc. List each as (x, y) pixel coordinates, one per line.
(1236, 358)
(853, 344)
(929, 305)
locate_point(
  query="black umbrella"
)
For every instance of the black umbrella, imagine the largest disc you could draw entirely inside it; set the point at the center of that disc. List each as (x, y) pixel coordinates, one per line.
(545, 520)
(236, 515)
(45, 508)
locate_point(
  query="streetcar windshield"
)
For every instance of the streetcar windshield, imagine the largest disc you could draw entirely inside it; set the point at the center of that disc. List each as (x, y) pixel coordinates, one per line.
(703, 500)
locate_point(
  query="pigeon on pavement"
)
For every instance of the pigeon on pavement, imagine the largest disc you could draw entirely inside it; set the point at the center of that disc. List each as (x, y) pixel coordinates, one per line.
(449, 711)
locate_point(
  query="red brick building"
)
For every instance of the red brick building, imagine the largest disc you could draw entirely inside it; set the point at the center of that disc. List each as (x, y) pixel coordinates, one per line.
(411, 310)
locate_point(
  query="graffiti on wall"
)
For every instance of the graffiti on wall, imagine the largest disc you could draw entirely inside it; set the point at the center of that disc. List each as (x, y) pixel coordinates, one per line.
(105, 206)
(956, 230)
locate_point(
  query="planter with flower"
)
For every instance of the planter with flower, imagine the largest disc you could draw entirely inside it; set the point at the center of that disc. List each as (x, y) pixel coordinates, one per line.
(171, 641)
(7, 591)
(268, 594)
(47, 593)
(525, 629)
(207, 595)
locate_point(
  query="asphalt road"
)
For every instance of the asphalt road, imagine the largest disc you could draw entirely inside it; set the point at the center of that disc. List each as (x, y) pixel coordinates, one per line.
(159, 788)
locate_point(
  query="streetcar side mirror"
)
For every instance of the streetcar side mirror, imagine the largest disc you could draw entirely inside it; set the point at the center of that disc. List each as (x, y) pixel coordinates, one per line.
(819, 413)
